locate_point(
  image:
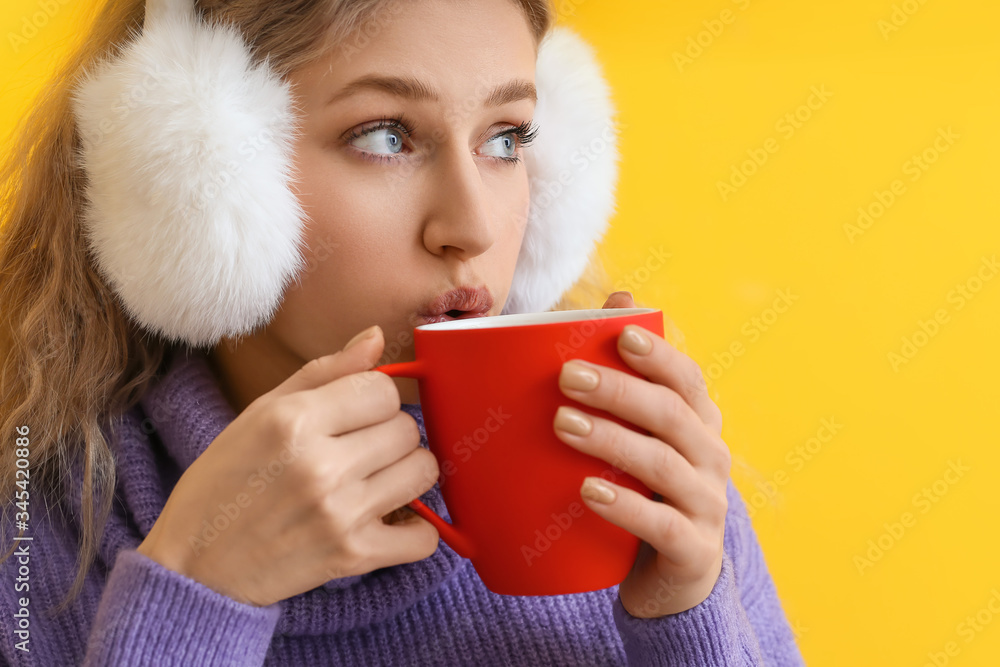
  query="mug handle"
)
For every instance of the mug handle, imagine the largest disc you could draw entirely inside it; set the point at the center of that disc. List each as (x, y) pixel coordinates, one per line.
(454, 538)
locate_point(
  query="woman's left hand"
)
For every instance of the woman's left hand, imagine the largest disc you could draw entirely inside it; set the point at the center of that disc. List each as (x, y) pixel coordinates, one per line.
(684, 461)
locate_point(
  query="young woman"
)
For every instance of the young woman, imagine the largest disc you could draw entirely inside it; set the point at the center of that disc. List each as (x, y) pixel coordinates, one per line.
(212, 236)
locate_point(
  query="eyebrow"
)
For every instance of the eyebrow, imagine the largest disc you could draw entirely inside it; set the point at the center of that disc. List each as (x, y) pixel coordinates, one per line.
(414, 89)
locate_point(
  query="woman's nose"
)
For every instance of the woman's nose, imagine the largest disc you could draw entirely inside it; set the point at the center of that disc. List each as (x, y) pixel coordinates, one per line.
(457, 214)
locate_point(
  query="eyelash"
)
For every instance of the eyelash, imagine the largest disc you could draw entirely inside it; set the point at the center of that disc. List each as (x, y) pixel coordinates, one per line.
(525, 133)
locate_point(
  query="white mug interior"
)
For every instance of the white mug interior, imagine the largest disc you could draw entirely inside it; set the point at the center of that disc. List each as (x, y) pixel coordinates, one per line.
(528, 319)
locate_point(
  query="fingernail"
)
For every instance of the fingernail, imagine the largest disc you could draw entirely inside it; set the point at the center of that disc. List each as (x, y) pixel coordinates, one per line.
(364, 335)
(573, 421)
(577, 376)
(595, 489)
(634, 341)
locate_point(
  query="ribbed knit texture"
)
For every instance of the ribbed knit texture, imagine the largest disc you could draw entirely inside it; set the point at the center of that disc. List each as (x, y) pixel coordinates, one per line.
(133, 611)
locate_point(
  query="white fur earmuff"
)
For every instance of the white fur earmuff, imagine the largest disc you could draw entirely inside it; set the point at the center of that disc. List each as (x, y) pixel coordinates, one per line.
(572, 170)
(187, 150)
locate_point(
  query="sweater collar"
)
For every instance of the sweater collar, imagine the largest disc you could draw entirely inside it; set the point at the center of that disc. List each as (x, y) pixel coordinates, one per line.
(185, 410)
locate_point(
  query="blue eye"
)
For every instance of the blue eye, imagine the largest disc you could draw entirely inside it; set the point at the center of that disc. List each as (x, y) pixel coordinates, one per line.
(379, 138)
(515, 137)
(508, 143)
(383, 141)
(387, 134)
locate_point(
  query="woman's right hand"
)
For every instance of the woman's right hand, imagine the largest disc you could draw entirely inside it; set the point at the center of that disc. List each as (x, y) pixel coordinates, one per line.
(346, 455)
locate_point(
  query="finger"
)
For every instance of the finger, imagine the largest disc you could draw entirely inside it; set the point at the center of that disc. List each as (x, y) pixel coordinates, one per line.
(650, 460)
(364, 452)
(665, 528)
(666, 365)
(658, 409)
(619, 300)
(360, 357)
(406, 541)
(398, 484)
(351, 402)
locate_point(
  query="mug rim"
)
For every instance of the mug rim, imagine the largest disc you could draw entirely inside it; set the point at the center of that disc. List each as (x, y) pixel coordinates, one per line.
(533, 319)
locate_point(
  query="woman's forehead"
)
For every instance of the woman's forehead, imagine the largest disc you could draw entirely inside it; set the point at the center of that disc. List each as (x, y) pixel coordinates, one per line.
(435, 44)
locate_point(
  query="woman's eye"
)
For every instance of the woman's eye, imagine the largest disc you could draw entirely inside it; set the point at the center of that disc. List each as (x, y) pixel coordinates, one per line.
(380, 140)
(507, 144)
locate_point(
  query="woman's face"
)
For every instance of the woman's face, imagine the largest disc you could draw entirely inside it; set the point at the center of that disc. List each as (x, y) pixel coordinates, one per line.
(411, 174)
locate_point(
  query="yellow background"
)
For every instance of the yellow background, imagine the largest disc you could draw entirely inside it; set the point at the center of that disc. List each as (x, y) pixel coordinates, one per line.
(685, 126)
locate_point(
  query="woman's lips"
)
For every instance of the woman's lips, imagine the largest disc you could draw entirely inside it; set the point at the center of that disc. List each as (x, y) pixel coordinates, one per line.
(462, 303)
(446, 317)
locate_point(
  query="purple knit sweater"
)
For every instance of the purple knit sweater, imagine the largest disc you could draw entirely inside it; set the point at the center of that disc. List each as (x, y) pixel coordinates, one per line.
(435, 611)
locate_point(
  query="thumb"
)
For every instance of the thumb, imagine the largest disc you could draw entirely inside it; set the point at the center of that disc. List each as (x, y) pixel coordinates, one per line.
(359, 354)
(619, 300)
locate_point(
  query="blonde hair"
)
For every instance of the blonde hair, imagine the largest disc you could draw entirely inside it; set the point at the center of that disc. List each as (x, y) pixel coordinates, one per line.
(71, 361)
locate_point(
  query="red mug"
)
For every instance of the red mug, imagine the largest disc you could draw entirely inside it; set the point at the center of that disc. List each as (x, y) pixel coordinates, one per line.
(489, 390)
